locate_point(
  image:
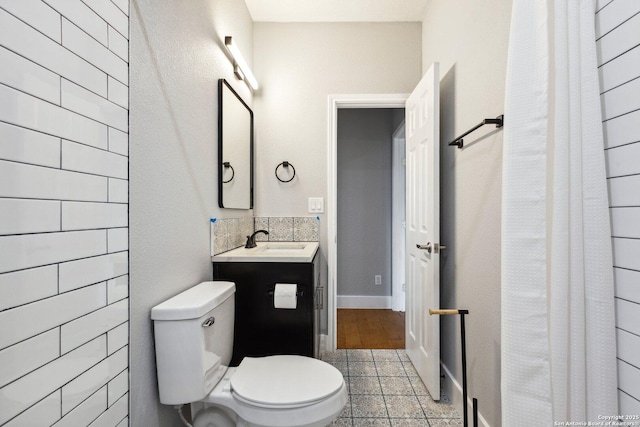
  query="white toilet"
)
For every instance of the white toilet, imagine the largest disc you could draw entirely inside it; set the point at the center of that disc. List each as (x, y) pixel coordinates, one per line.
(194, 342)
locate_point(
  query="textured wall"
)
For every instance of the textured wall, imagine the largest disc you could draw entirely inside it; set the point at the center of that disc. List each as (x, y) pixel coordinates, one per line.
(64, 280)
(178, 55)
(469, 39)
(618, 44)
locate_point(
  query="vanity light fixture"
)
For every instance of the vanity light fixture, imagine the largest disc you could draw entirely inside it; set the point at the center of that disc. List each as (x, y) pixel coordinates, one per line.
(241, 69)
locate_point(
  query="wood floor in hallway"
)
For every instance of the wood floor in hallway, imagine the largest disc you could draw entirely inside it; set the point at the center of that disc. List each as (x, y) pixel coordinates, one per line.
(370, 329)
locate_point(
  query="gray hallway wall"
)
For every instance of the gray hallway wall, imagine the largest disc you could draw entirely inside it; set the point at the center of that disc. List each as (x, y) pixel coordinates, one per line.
(364, 200)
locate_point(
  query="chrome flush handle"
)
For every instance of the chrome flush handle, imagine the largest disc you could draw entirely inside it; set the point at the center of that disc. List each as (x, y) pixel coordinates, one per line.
(210, 321)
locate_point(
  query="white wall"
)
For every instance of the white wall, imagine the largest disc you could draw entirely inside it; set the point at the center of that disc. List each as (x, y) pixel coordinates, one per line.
(618, 43)
(469, 39)
(63, 206)
(298, 66)
(178, 55)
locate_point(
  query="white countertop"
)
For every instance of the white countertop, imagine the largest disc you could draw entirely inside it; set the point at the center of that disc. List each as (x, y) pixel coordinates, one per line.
(271, 252)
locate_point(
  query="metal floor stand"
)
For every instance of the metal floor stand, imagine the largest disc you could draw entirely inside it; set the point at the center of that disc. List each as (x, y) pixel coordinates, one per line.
(462, 313)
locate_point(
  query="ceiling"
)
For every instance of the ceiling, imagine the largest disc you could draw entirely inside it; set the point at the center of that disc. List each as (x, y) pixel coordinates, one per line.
(336, 10)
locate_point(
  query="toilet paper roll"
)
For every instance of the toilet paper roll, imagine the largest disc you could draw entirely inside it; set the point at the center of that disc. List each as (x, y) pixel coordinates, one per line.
(284, 296)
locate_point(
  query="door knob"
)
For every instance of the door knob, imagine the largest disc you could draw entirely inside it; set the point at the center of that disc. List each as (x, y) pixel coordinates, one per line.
(426, 247)
(436, 247)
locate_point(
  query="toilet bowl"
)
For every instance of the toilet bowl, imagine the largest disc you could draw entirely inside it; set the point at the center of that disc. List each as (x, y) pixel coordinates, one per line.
(281, 391)
(194, 338)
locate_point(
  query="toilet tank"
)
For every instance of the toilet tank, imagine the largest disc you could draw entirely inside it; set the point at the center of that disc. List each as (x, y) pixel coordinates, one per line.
(194, 341)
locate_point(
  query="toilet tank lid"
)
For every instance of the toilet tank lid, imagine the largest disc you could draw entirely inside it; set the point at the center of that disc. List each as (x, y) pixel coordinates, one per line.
(194, 302)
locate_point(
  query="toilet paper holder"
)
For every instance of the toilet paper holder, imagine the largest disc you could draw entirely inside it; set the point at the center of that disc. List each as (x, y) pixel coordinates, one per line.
(299, 292)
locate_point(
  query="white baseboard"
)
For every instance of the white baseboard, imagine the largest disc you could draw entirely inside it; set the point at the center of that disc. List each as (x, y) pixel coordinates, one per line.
(455, 387)
(363, 301)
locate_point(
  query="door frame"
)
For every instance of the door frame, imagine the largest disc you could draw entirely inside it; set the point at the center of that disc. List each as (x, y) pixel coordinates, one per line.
(336, 102)
(398, 201)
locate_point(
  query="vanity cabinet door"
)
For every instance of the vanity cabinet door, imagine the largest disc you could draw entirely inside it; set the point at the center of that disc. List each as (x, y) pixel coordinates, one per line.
(261, 329)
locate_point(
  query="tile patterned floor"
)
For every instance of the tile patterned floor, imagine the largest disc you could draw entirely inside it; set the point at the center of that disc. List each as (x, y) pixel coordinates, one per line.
(385, 390)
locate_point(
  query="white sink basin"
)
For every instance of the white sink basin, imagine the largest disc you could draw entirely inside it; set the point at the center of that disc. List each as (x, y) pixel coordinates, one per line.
(282, 246)
(271, 252)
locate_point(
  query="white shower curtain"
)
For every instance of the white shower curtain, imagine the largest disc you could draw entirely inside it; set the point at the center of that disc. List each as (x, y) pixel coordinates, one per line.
(558, 322)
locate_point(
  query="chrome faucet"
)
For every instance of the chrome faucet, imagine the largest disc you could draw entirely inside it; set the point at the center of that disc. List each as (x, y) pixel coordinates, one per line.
(251, 240)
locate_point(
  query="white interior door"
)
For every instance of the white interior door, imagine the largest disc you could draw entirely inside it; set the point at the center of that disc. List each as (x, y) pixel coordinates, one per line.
(423, 229)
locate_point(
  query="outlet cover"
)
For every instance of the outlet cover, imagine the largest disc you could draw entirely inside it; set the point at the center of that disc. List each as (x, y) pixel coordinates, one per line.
(378, 279)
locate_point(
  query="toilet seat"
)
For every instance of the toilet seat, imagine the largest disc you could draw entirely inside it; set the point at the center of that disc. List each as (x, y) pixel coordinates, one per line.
(285, 381)
(265, 388)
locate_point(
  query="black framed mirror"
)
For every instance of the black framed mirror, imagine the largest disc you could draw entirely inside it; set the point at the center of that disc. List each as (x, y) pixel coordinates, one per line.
(235, 149)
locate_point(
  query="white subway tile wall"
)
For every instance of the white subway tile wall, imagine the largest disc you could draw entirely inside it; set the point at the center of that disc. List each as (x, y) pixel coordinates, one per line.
(618, 45)
(87, 411)
(93, 379)
(26, 146)
(64, 265)
(27, 111)
(37, 14)
(117, 338)
(42, 414)
(81, 15)
(35, 46)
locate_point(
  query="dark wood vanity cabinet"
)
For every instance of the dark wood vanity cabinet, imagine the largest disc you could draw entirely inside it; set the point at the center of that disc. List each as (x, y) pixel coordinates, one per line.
(262, 330)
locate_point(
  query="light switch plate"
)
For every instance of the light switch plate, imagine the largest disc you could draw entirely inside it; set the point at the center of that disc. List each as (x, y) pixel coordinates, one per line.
(316, 205)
